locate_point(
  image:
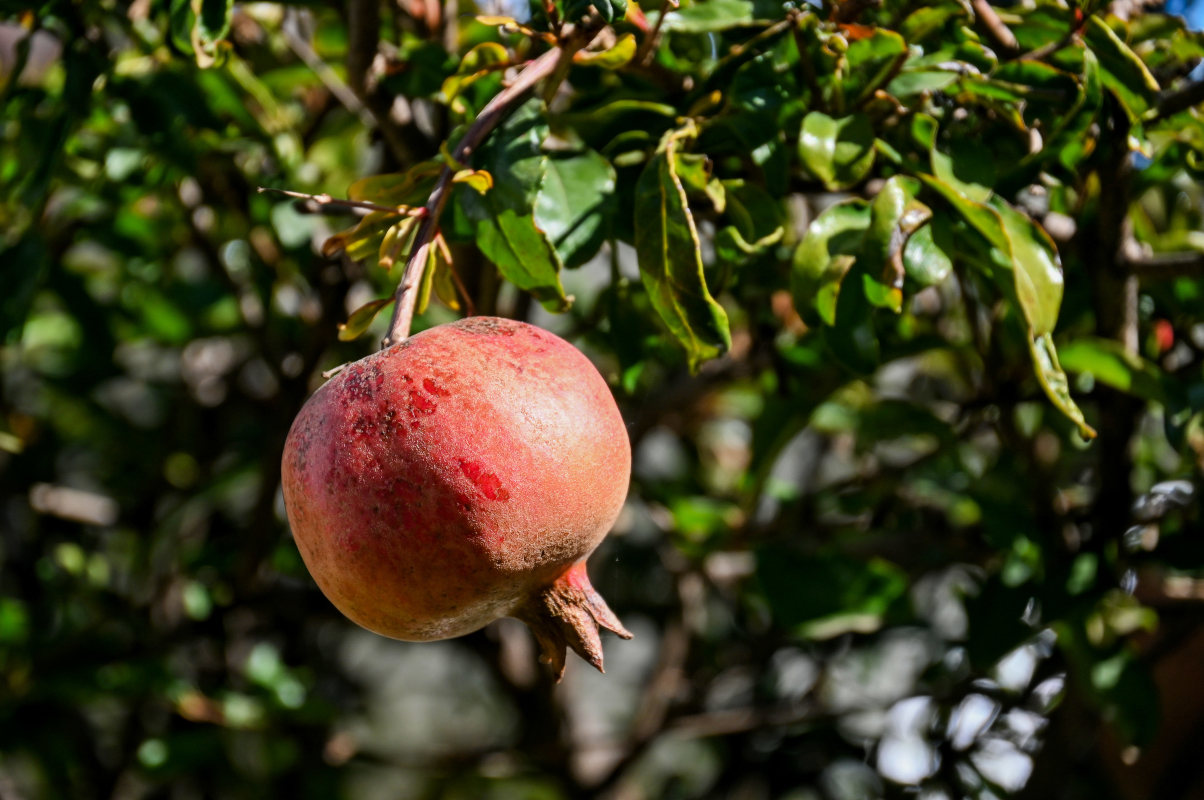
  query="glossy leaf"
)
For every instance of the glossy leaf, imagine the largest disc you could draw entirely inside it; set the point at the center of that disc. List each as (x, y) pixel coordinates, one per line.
(574, 204)
(824, 256)
(755, 216)
(395, 245)
(478, 180)
(428, 281)
(709, 16)
(839, 152)
(872, 61)
(895, 214)
(924, 261)
(361, 319)
(1036, 265)
(928, 19)
(1121, 70)
(506, 230)
(967, 167)
(666, 242)
(1108, 362)
(853, 339)
(1025, 267)
(476, 64)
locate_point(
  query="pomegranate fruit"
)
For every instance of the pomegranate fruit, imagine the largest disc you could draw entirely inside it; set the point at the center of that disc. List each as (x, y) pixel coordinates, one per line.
(462, 475)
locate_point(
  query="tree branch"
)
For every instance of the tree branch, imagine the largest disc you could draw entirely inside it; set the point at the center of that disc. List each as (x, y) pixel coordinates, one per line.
(1166, 266)
(333, 83)
(363, 38)
(1178, 100)
(1001, 34)
(494, 112)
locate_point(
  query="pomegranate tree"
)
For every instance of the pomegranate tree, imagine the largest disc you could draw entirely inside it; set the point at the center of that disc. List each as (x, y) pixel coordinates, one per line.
(462, 475)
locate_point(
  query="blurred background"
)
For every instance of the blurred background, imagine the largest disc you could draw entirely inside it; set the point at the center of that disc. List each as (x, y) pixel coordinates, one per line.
(839, 589)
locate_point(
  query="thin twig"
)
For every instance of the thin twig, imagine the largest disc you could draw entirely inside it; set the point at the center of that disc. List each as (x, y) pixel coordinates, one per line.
(1047, 50)
(1178, 100)
(644, 53)
(494, 112)
(330, 79)
(1000, 33)
(1164, 266)
(327, 200)
(363, 44)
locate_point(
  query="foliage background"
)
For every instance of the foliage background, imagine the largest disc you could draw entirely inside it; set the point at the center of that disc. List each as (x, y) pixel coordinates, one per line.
(864, 554)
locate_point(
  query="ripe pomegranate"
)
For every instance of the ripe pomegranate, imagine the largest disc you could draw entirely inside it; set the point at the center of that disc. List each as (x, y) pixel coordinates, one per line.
(462, 475)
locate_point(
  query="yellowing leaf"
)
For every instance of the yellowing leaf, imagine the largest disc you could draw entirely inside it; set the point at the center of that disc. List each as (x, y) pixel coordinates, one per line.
(477, 179)
(617, 56)
(476, 64)
(666, 242)
(1055, 383)
(362, 240)
(396, 242)
(402, 189)
(361, 318)
(428, 278)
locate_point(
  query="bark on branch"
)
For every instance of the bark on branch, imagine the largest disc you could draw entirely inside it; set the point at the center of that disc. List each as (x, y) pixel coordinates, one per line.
(494, 112)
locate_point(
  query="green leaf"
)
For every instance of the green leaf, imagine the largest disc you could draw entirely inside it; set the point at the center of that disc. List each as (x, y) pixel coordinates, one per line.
(1122, 71)
(1023, 263)
(924, 261)
(756, 221)
(1109, 363)
(201, 26)
(852, 338)
(709, 16)
(872, 62)
(839, 152)
(506, 229)
(921, 81)
(827, 594)
(1037, 268)
(822, 258)
(361, 319)
(967, 167)
(1053, 380)
(428, 280)
(895, 214)
(928, 19)
(574, 204)
(476, 64)
(666, 242)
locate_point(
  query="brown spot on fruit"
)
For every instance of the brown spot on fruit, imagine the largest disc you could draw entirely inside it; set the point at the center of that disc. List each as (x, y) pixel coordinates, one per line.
(489, 326)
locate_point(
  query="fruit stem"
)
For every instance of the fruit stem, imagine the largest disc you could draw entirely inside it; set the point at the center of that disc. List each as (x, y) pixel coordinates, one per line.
(572, 39)
(494, 112)
(568, 614)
